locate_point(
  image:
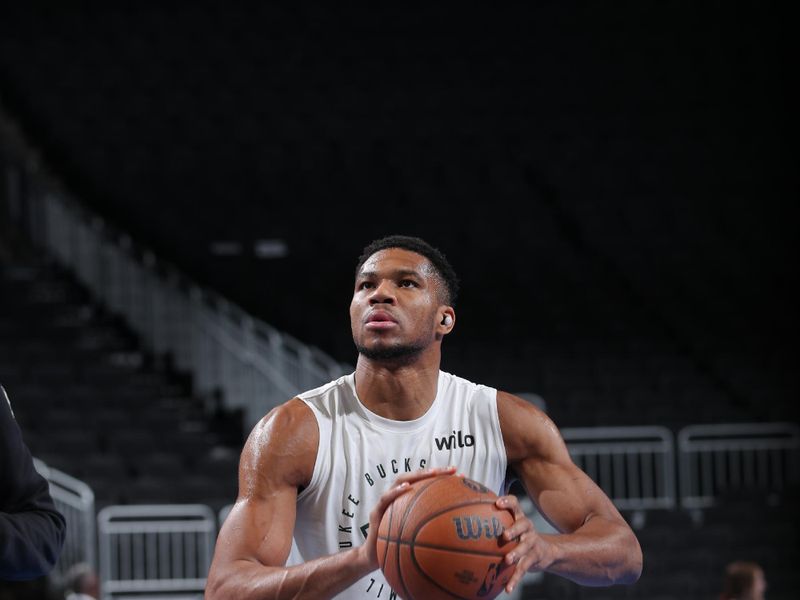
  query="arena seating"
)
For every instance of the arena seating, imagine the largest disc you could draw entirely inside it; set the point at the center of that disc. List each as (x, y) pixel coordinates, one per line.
(92, 404)
(609, 267)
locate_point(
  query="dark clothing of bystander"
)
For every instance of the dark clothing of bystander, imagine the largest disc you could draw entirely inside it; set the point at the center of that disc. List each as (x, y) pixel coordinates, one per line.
(31, 529)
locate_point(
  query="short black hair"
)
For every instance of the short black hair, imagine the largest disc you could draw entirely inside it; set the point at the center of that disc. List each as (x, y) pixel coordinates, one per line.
(740, 577)
(423, 248)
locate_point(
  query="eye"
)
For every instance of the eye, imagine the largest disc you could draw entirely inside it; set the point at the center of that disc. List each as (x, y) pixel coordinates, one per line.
(365, 285)
(408, 283)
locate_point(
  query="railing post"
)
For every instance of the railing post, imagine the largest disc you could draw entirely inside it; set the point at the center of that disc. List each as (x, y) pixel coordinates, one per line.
(633, 465)
(75, 500)
(179, 539)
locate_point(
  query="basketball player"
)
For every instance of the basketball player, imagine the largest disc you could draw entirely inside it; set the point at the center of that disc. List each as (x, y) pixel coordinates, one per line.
(321, 469)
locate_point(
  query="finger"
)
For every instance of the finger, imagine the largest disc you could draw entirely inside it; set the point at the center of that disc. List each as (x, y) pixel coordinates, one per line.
(511, 559)
(396, 490)
(522, 530)
(390, 496)
(524, 546)
(522, 549)
(521, 523)
(515, 579)
(510, 503)
(512, 583)
(519, 572)
(403, 483)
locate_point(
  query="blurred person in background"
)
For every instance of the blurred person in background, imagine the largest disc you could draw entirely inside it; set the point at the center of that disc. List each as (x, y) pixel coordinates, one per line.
(743, 581)
(81, 583)
(31, 529)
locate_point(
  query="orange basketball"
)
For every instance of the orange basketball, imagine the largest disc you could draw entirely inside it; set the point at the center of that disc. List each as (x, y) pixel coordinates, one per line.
(441, 539)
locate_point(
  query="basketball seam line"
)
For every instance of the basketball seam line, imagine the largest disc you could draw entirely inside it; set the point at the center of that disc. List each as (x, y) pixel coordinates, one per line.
(411, 504)
(416, 531)
(435, 547)
(412, 544)
(389, 529)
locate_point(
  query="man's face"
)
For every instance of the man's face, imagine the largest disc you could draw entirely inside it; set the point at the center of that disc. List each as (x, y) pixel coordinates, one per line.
(395, 305)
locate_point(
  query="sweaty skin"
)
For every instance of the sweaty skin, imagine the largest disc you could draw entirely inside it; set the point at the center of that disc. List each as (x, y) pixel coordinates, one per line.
(256, 538)
(397, 317)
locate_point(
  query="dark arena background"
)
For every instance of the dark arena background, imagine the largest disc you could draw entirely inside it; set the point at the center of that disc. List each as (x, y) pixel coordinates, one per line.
(186, 187)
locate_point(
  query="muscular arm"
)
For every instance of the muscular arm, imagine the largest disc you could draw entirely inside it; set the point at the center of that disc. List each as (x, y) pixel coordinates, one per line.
(595, 546)
(256, 538)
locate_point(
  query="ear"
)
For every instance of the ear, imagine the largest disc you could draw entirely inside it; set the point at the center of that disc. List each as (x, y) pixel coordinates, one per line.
(447, 320)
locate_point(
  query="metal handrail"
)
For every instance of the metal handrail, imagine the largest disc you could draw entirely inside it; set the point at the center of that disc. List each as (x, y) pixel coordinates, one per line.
(252, 364)
(725, 457)
(155, 548)
(75, 500)
(633, 465)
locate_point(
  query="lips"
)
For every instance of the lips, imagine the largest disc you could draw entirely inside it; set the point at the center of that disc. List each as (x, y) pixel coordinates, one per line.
(380, 316)
(380, 319)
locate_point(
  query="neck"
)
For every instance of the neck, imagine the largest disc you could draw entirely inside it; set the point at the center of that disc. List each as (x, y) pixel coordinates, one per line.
(401, 390)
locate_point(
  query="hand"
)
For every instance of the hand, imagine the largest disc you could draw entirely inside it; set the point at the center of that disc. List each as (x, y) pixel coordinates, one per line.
(368, 551)
(531, 551)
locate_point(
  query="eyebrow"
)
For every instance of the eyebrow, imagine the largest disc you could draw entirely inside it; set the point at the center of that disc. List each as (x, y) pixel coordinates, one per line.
(397, 273)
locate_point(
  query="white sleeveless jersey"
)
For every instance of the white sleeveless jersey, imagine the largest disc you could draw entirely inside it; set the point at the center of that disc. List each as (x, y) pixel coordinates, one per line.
(360, 455)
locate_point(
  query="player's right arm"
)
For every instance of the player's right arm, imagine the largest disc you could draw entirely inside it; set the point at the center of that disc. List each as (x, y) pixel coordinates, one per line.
(254, 543)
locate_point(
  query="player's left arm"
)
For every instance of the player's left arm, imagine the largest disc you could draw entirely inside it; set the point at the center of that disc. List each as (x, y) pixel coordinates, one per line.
(596, 546)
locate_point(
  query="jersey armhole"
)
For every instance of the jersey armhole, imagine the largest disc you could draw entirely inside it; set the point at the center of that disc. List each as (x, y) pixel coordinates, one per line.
(324, 442)
(501, 446)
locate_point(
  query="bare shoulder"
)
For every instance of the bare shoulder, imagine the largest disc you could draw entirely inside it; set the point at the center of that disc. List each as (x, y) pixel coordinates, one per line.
(280, 451)
(277, 460)
(527, 431)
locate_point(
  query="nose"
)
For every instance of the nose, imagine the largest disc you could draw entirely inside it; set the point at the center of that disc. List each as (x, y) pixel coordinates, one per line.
(382, 293)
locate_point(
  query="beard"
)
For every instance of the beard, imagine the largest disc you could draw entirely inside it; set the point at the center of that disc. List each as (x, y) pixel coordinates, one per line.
(397, 352)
